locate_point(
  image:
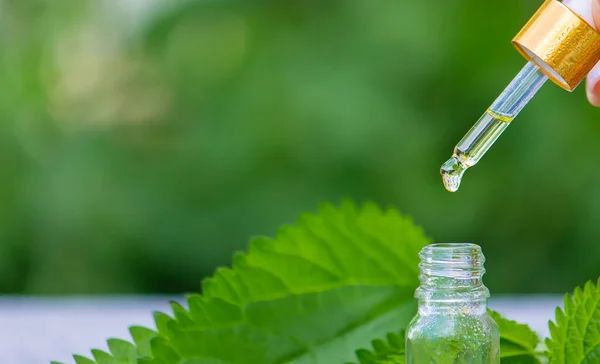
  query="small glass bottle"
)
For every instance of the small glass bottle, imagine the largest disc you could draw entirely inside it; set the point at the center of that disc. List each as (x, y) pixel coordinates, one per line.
(452, 324)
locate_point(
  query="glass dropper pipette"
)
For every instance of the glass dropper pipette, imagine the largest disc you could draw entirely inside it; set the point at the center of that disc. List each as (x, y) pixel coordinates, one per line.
(562, 44)
(491, 124)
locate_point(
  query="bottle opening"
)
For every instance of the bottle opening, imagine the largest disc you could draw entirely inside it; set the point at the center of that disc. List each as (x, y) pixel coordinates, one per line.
(443, 256)
(452, 245)
(452, 271)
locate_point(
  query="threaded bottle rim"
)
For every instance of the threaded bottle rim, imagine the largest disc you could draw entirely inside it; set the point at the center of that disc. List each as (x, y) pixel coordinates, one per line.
(452, 271)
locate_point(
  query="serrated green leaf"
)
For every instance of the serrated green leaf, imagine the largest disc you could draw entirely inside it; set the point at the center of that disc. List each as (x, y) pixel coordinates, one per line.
(316, 292)
(389, 351)
(518, 342)
(141, 337)
(575, 335)
(163, 351)
(102, 357)
(123, 351)
(366, 357)
(204, 361)
(151, 361)
(82, 360)
(148, 361)
(161, 321)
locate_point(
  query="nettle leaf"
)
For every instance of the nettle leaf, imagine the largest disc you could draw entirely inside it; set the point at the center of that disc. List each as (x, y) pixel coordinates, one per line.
(517, 345)
(83, 360)
(518, 342)
(314, 294)
(575, 337)
(384, 352)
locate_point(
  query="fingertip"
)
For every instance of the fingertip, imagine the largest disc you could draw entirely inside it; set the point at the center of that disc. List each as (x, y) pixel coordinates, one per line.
(596, 12)
(592, 86)
(593, 92)
(593, 79)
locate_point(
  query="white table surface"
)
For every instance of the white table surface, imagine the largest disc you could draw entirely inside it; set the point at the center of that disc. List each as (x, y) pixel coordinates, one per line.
(37, 330)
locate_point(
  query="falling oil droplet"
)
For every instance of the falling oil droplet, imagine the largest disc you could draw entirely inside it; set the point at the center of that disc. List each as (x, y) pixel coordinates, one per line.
(452, 171)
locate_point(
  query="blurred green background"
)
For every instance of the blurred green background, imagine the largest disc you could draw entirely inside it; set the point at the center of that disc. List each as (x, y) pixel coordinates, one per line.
(142, 142)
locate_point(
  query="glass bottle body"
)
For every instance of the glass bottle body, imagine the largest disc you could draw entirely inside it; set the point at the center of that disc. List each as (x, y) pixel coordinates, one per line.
(452, 325)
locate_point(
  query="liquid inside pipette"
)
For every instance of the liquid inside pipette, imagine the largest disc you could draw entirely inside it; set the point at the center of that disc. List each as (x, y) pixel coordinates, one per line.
(472, 147)
(491, 124)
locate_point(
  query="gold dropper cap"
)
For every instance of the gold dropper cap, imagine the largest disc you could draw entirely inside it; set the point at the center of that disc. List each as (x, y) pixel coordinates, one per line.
(563, 45)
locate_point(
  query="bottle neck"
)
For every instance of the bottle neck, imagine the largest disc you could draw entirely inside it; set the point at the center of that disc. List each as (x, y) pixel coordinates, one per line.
(451, 278)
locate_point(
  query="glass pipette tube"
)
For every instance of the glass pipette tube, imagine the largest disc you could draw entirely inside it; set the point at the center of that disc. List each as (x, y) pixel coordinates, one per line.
(491, 124)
